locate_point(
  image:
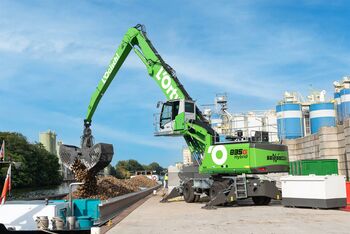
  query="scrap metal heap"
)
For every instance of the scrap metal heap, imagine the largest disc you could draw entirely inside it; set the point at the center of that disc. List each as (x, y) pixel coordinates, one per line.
(87, 161)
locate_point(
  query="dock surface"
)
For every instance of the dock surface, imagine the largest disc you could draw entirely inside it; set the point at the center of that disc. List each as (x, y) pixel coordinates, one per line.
(181, 217)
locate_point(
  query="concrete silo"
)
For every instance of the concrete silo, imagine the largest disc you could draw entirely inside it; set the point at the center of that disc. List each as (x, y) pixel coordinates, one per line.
(48, 139)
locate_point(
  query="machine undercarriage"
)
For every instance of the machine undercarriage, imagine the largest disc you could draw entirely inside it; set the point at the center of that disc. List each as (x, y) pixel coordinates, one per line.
(223, 189)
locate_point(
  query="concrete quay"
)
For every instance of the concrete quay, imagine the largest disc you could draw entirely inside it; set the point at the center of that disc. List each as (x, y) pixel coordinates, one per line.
(180, 217)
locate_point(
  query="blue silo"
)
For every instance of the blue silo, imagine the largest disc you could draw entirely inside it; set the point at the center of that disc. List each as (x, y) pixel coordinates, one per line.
(345, 103)
(289, 121)
(321, 115)
(338, 106)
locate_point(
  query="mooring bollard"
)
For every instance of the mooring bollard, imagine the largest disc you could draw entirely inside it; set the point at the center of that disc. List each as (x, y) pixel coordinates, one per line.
(70, 222)
(57, 223)
(42, 222)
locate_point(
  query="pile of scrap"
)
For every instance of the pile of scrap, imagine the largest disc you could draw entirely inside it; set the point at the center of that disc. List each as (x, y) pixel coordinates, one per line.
(143, 181)
(110, 186)
(107, 186)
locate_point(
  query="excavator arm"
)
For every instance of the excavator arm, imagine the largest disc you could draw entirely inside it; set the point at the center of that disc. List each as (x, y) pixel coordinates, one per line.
(197, 131)
(136, 39)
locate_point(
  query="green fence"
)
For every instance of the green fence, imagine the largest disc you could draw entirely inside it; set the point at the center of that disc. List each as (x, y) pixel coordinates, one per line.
(317, 167)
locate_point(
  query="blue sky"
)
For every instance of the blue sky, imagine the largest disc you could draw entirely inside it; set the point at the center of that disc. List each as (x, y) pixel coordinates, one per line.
(53, 53)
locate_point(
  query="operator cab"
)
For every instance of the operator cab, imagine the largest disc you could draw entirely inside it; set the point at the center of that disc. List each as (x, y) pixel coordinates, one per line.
(174, 115)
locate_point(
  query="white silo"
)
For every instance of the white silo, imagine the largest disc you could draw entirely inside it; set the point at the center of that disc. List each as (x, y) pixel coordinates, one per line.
(48, 139)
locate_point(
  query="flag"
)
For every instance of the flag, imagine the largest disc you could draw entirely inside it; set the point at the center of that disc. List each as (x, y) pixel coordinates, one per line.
(2, 151)
(7, 186)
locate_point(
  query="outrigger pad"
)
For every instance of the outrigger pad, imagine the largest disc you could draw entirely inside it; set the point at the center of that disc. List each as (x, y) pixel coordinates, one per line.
(94, 158)
(223, 197)
(175, 192)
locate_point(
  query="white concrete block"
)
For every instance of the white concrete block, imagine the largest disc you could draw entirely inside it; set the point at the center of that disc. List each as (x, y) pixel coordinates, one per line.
(328, 137)
(329, 145)
(329, 152)
(307, 150)
(346, 132)
(291, 146)
(347, 140)
(327, 130)
(340, 128)
(289, 142)
(329, 157)
(347, 148)
(341, 136)
(342, 165)
(346, 123)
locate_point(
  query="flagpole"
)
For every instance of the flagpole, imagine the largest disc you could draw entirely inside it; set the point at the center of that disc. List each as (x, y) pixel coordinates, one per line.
(10, 187)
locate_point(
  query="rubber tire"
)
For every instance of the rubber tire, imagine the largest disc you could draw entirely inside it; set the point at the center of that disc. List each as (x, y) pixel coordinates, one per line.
(261, 200)
(189, 192)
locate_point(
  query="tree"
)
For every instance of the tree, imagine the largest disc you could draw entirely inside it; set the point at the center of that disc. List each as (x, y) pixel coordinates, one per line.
(122, 173)
(133, 166)
(38, 167)
(125, 168)
(154, 166)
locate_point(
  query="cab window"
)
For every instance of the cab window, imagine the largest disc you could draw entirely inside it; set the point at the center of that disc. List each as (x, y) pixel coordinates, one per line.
(175, 109)
(166, 114)
(189, 107)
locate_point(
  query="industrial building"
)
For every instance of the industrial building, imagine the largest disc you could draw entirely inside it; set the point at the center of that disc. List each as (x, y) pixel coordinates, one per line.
(318, 128)
(298, 117)
(246, 125)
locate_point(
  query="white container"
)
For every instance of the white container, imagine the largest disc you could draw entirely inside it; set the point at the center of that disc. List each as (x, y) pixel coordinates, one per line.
(314, 191)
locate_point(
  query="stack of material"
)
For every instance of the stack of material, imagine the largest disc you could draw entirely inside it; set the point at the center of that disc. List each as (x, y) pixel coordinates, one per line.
(143, 181)
(108, 186)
